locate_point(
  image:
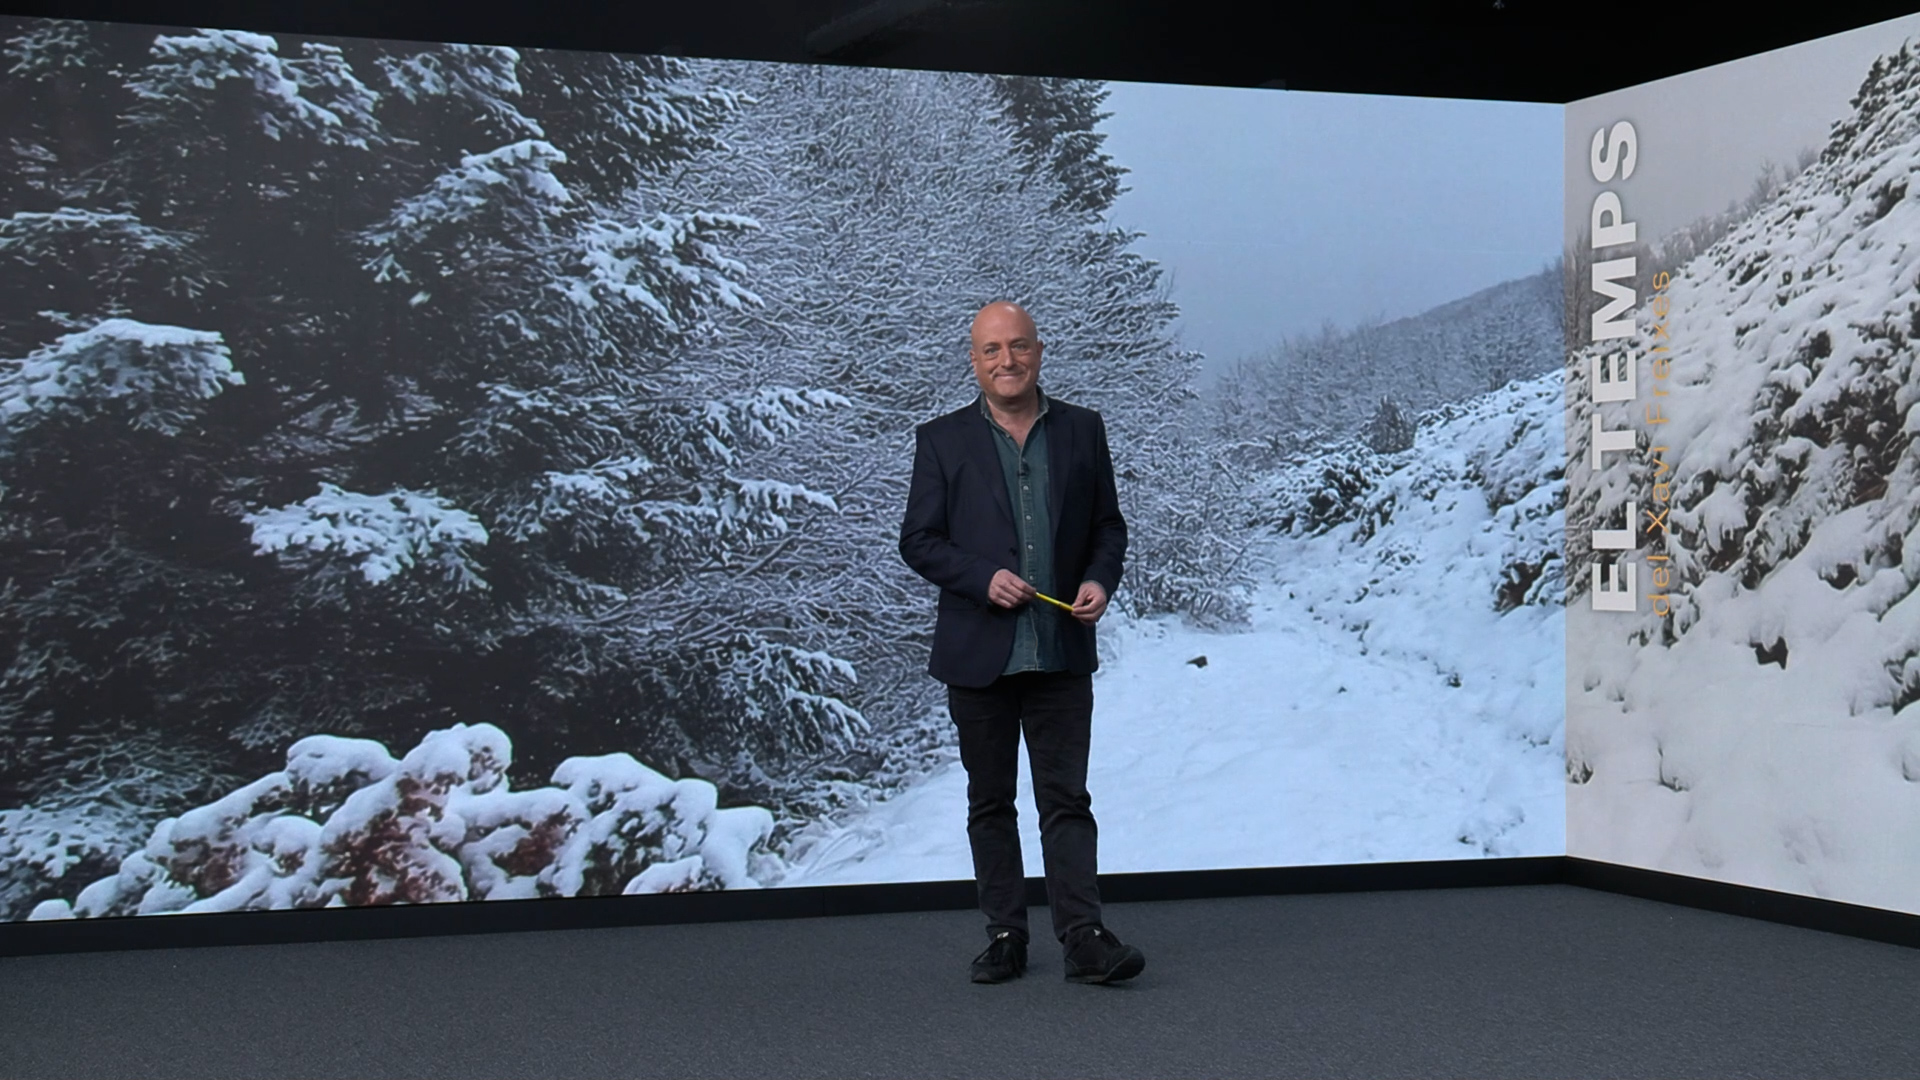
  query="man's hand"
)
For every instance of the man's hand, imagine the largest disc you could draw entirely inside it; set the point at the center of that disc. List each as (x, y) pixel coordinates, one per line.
(1008, 590)
(1091, 603)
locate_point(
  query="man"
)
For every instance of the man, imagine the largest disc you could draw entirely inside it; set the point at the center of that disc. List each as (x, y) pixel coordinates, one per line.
(1012, 498)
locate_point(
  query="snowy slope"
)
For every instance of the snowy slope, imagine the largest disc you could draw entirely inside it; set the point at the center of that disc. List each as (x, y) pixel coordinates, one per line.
(1380, 707)
(1762, 735)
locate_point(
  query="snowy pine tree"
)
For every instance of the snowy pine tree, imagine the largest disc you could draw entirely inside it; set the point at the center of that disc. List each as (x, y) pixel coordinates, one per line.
(1056, 126)
(875, 192)
(371, 408)
(1391, 429)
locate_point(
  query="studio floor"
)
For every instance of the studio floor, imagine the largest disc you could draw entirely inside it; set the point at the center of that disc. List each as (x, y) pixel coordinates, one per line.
(1523, 981)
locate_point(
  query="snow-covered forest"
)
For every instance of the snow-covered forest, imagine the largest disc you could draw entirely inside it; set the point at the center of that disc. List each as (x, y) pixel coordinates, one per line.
(1311, 391)
(1763, 732)
(480, 468)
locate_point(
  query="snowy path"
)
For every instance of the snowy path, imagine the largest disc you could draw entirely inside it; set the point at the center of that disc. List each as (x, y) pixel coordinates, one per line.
(1292, 746)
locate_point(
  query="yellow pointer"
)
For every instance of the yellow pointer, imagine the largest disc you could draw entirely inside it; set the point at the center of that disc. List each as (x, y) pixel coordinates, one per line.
(1055, 603)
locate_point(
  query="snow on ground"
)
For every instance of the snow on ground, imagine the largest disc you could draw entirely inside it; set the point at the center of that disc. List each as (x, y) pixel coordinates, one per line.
(1718, 767)
(1332, 730)
(1288, 748)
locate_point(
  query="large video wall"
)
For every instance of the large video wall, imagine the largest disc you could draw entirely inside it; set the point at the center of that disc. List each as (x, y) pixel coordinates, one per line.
(1743, 633)
(448, 473)
(440, 473)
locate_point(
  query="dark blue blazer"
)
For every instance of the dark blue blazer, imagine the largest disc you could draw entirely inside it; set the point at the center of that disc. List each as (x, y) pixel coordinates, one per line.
(959, 530)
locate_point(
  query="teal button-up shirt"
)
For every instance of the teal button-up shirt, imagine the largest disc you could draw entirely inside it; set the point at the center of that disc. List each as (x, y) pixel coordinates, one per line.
(1036, 633)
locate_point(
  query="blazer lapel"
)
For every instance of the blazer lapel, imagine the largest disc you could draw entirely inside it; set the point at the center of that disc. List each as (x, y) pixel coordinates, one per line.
(1059, 452)
(986, 459)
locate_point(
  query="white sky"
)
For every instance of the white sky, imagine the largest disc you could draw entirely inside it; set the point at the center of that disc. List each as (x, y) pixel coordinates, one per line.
(1275, 211)
(1704, 135)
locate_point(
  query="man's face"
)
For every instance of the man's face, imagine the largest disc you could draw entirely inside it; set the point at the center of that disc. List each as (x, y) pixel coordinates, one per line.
(1006, 354)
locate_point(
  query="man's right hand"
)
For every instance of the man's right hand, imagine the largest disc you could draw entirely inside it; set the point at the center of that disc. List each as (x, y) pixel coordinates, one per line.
(1008, 590)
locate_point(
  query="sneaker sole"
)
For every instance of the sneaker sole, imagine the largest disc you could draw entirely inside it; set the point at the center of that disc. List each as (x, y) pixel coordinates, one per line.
(1130, 965)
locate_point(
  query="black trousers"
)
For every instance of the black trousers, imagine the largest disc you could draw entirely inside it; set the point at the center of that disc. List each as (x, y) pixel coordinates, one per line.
(1055, 710)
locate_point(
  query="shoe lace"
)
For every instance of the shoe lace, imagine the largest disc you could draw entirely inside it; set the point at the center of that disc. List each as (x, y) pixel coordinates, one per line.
(1001, 945)
(1100, 935)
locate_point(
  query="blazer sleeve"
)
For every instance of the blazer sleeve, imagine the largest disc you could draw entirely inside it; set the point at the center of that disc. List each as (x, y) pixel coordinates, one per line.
(1108, 553)
(925, 539)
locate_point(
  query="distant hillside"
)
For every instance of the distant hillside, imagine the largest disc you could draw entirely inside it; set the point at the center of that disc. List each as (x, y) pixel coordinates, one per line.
(1331, 383)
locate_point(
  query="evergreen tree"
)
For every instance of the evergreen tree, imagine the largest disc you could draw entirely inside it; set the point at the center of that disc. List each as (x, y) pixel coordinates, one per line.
(1056, 126)
(884, 200)
(371, 411)
(1391, 430)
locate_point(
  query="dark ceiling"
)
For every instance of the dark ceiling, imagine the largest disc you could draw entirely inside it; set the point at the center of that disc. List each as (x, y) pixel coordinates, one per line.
(1518, 49)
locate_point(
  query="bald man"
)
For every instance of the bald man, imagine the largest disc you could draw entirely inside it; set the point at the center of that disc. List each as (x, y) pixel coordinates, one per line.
(1013, 502)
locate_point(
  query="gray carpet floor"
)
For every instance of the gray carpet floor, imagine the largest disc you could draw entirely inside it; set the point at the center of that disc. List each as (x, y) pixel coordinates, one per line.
(1535, 981)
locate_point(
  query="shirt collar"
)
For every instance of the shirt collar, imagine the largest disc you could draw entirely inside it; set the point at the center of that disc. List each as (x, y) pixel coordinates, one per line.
(987, 411)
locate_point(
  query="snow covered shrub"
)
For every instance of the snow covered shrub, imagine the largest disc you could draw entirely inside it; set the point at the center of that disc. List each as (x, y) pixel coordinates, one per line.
(1390, 430)
(92, 807)
(254, 848)
(1311, 496)
(652, 834)
(515, 841)
(154, 377)
(42, 852)
(395, 841)
(346, 824)
(322, 770)
(376, 537)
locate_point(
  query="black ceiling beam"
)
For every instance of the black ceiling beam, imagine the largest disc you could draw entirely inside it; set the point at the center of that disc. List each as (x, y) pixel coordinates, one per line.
(1517, 49)
(868, 29)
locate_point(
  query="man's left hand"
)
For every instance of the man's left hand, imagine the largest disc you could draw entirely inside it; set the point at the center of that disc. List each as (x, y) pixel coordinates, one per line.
(1091, 603)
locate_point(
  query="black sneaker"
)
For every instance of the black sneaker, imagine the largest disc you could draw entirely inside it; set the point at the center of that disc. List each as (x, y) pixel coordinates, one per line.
(1004, 959)
(1094, 955)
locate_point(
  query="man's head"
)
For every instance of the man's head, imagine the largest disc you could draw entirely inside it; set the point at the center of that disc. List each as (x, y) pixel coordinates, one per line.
(1006, 353)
